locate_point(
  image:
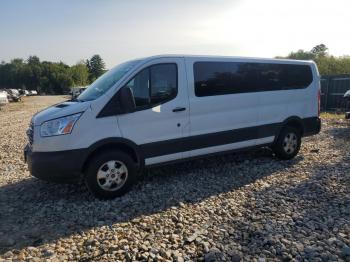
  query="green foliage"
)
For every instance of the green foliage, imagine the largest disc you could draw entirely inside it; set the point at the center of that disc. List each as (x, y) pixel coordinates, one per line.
(331, 65)
(48, 77)
(96, 67)
(319, 50)
(327, 64)
(301, 55)
(80, 74)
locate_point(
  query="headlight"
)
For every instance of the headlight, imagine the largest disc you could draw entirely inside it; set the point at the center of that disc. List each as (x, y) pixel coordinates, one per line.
(59, 126)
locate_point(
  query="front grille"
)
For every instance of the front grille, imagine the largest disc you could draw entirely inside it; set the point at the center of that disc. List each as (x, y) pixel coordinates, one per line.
(30, 133)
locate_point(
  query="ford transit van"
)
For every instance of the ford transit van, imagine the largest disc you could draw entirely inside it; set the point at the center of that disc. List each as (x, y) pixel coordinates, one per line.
(163, 109)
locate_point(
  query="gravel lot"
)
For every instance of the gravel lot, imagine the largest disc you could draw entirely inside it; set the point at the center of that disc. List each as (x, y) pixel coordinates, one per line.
(248, 207)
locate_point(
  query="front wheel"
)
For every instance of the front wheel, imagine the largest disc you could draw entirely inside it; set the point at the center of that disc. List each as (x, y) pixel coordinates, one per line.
(110, 174)
(288, 143)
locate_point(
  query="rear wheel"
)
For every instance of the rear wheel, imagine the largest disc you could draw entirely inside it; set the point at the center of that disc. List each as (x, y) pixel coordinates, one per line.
(110, 174)
(288, 143)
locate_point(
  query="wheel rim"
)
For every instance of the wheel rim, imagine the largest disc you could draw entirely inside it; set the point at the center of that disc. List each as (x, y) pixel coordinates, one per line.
(290, 143)
(112, 175)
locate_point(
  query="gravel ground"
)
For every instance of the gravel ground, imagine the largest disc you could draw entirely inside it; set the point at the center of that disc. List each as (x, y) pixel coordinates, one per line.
(248, 207)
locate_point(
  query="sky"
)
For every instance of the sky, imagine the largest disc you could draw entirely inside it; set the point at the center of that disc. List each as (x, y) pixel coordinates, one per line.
(72, 30)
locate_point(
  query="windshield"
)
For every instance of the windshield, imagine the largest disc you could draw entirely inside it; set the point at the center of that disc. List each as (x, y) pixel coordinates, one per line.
(106, 81)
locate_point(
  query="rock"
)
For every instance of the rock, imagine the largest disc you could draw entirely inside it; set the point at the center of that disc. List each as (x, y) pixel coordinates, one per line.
(345, 251)
(210, 257)
(235, 257)
(8, 254)
(192, 237)
(127, 256)
(285, 241)
(7, 242)
(299, 246)
(168, 254)
(179, 259)
(331, 240)
(181, 204)
(144, 248)
(154, 251)
(310, 249)
(213, 255)
(250, 205)
(205, 247)
(32, 249)
(48, 252)
(21, 256)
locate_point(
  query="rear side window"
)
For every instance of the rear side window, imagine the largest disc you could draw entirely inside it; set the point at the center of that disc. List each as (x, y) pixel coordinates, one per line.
(154, 85)
(219, 78)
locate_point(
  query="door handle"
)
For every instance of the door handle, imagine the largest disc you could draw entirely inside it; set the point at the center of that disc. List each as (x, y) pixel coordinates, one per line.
(178, 109)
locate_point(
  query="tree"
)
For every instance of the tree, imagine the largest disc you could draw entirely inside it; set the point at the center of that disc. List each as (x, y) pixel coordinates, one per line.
(33, 60)
(316, 52)
(301, 55)
(45, 77)
(327, 64)
(96, 67)
(80, 74)
(319, 50)
(33, 74)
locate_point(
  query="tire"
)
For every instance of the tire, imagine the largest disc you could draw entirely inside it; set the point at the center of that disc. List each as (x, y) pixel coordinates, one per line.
(110, 174)
(288, 143)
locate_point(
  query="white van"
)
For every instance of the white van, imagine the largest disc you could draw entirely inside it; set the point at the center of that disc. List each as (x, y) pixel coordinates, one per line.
(163, 109)
(3, 98)
(76, 91)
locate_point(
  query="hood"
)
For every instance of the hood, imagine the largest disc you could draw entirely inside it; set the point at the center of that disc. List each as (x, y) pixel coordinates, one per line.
(59, 110)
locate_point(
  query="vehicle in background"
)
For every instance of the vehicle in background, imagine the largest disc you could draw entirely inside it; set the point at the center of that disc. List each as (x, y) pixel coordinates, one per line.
(13, 95)
(21, 92)
(164, 109)
(32, 93)
(347, 101)
(3, 98)
(76, 91)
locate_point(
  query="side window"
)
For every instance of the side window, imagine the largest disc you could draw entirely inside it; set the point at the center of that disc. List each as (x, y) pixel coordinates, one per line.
(140, 88)
(299, 76)
(163, 83)
(272, 77)
(154, 85)
(220, 78)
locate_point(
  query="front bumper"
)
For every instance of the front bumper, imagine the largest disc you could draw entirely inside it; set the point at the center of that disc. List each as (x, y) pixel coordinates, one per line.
(59, 167)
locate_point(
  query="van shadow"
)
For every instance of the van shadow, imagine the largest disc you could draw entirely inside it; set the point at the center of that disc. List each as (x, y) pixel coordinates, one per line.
(34, 212)
(306, 219)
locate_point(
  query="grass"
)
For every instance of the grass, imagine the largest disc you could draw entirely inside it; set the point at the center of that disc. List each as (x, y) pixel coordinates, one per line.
(332, 115)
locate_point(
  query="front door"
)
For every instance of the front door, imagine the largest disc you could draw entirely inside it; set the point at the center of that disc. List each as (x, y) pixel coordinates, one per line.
(161, 118)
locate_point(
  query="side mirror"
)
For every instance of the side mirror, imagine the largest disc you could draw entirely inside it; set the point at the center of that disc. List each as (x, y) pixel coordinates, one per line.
(127, 100)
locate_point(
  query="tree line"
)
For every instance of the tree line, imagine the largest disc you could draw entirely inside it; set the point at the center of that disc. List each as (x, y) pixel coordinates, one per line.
(327, 64)
(57, 78)
(49, 77)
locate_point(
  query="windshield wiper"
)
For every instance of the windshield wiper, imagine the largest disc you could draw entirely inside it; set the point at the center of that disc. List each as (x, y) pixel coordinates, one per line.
(75, 100)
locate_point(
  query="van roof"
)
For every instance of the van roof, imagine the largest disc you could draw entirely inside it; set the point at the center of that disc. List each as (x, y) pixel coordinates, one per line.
(212, 57)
